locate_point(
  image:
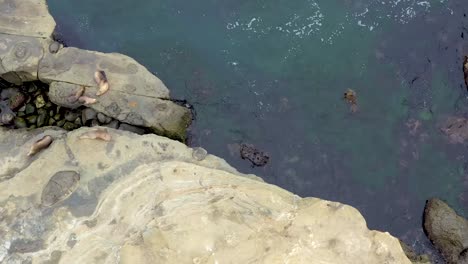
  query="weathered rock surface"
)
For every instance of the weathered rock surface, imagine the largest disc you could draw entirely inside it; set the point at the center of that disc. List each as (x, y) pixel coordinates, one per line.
(446, 230)
(25, 29)
(20, 56)
(28, 53)
(26, 18)
(136, 96)
(146, 199)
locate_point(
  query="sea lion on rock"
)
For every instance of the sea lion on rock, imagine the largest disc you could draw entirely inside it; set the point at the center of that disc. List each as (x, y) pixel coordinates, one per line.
(86, 100)
(101, 134)
(41, 144)
(73, 98)
(101, 79)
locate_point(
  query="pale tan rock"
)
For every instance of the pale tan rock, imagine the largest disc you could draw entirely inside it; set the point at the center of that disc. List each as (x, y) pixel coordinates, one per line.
(123, 73)
(145, 199)
(20, 56)
(26, 18)
(25, 32)
(136, 96)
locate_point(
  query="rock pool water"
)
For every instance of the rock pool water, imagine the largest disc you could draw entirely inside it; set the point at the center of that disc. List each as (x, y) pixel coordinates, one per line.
(273, 73)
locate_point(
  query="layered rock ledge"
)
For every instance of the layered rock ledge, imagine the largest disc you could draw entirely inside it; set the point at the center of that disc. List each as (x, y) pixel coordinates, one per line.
(29, 53)
(149, 199)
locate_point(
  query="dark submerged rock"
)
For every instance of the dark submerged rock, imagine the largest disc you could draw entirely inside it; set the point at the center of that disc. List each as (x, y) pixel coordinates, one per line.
(455, 128)
(257, 157)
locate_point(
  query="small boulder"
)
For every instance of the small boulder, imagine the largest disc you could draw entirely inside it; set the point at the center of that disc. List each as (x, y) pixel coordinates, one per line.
(199, 153)
(88, 114)
(447, 230)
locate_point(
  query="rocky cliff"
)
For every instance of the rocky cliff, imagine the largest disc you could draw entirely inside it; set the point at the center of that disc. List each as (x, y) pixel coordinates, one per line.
(149, 199)
(100, 195)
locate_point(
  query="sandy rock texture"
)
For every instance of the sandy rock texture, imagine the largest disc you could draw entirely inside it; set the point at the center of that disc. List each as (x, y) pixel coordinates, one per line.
(148, 199)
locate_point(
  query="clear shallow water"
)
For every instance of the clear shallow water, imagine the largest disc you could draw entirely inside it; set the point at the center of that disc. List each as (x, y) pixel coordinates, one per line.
(273, 73)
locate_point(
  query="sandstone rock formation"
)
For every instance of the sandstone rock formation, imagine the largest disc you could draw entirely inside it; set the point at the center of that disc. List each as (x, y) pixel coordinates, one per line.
(447, 231)
(148, 199)
(28, 53)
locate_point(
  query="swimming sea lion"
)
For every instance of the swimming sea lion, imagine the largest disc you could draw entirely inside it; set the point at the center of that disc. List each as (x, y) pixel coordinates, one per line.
(101, 134)
(101, 79)
(86, 100)
(39, 145)
(350, 97)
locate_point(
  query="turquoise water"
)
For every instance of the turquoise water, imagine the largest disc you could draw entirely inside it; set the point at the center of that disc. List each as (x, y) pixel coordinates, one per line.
(272, 73)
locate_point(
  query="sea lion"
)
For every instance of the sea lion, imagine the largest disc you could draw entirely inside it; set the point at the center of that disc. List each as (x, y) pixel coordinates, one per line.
(86, 100)
(101, 134)
(351, 98)
(101, 79)
(73, 98)
(39, 145)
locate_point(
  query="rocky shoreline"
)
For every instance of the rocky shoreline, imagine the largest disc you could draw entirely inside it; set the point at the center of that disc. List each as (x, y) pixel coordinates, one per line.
(136, 97)
(28, 106)
(112, 184)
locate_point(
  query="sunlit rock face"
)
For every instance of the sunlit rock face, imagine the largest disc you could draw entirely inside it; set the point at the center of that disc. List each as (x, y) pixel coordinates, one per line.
(148, 199)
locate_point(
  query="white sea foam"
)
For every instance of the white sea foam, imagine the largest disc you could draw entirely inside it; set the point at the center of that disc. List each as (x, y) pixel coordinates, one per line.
(83, 24)
(310, 21)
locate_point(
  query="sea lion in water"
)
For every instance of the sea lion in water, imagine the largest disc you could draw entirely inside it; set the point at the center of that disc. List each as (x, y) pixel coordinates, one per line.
(86, 100)
(350, 97)
(39, 145)
(101, 79)
(101, 134)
